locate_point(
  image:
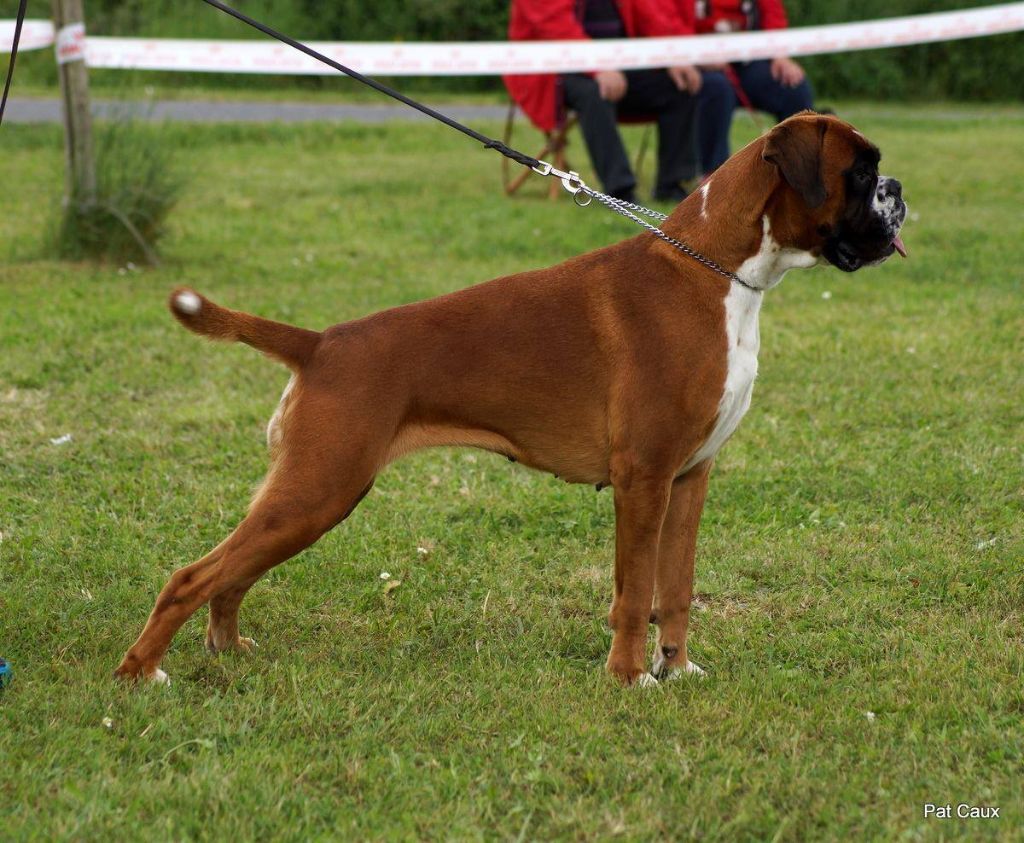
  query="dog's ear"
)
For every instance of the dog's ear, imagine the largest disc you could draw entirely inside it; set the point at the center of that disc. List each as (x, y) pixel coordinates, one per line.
(795, 147)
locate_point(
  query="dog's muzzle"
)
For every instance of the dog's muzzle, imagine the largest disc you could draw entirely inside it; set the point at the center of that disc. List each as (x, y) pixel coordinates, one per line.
(890, 207)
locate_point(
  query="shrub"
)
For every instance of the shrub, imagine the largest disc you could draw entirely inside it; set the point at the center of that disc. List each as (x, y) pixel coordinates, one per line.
(137, 184)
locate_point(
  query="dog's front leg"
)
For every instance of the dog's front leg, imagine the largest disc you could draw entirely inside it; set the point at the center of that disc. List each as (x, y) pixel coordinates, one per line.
(641, 499)
(674, 584)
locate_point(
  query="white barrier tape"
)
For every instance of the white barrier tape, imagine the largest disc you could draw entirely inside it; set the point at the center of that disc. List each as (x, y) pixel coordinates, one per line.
(503, 57)
(71, 43)
(35, 34)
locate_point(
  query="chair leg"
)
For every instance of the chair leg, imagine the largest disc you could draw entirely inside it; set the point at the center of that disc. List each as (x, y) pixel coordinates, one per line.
(511, 182)
(559, 140)
(560, 162)
(554, 145)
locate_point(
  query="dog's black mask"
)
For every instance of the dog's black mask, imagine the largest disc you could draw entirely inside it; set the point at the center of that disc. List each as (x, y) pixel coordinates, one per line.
(869, 231)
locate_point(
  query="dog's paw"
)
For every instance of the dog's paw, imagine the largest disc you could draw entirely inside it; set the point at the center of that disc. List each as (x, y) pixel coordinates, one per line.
(631, 676)
(659, 666)
(132, 670)
(690, 669)
(667, 664)
(240, 645)
(248, 645)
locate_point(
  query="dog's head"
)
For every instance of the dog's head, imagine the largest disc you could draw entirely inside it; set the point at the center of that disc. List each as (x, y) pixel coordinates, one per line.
(853, 215)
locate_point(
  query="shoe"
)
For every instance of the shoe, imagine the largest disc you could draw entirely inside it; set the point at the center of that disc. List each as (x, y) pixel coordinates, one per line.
(674, 194)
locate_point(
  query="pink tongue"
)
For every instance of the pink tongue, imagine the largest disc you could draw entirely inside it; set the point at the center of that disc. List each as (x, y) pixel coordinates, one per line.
(898, 243)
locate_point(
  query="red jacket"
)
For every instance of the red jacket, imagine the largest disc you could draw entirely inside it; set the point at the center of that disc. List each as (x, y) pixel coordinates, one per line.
(538, 94)
(771, 12)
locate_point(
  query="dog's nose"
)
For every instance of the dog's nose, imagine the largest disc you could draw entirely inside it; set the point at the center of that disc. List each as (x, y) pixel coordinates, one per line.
(892, 187)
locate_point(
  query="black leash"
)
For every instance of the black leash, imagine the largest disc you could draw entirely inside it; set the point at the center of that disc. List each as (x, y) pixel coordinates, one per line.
(571, 180)
(14, 55)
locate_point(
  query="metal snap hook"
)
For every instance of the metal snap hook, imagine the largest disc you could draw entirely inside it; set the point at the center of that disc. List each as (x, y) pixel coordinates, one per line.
(572, 182)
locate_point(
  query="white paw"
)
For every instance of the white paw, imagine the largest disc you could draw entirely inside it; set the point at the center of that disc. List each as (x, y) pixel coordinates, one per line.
(645, 680)
(691, 669)
(158, 677)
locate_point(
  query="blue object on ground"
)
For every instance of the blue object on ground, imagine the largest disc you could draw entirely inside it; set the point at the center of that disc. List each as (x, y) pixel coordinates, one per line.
(5, 674)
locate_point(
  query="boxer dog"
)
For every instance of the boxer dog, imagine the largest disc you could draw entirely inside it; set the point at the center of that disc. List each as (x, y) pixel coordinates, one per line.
(629, 366)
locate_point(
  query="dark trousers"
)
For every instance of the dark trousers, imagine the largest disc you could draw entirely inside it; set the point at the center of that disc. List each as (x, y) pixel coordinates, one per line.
(718, 101)
(650, 93)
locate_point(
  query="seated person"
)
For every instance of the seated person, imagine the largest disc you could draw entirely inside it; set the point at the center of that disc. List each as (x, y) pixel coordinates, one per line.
(778, 86)
(670, 95)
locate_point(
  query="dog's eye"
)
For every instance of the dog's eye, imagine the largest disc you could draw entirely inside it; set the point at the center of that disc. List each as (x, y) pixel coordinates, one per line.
(862, 174)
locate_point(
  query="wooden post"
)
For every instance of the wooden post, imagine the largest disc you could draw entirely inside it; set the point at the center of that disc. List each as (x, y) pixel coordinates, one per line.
(69, 23)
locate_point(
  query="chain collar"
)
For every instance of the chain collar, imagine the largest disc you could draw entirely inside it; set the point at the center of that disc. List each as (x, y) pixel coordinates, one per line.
(572, 182)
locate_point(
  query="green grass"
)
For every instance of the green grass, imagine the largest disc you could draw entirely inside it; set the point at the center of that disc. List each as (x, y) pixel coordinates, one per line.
(861, 549)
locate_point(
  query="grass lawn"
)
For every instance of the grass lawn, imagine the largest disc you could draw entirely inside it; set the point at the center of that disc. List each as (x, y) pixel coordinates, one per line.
(861, 550)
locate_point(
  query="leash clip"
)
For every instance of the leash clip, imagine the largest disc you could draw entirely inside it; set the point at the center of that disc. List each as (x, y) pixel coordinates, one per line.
(574, 184)
(571, 181)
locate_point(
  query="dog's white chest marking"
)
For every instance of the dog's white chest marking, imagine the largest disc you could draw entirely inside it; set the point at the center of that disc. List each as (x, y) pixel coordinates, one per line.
(773, 260)
(742, 309)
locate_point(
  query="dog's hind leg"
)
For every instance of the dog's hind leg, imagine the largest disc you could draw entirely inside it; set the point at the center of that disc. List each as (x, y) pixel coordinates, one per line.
(674, 583)
(222, 630)
(308, 491)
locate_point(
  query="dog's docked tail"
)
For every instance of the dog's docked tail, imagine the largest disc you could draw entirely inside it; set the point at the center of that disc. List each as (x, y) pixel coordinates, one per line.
(292, 346)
